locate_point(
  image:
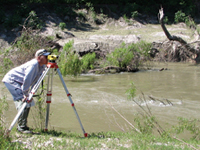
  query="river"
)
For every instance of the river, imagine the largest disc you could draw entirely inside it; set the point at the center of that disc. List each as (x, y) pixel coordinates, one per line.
(96, 97)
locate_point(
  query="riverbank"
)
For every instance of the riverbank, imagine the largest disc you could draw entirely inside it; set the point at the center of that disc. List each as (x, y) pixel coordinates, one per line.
(97, 141)
(88, 36)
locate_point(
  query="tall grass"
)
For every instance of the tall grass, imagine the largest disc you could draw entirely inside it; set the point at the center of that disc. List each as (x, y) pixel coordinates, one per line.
(5, 141)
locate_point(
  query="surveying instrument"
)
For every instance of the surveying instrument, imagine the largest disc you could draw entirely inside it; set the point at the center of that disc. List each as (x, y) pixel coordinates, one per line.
(51, 66)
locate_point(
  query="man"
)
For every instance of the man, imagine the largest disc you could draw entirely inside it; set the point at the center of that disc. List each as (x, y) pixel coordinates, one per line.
(19, 80)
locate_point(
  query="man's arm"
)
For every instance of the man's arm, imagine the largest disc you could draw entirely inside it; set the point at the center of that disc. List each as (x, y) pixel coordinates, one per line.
(30, 73)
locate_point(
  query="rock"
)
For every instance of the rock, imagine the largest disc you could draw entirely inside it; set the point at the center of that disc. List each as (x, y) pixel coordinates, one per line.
(100, 48)
(117, 38)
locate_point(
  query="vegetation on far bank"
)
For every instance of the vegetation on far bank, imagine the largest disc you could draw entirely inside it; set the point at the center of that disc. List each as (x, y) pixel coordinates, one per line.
(13, 11)
(125, 58)
(128, 57)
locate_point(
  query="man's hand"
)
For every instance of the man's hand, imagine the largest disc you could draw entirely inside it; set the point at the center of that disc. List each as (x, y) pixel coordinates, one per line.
(26, 99)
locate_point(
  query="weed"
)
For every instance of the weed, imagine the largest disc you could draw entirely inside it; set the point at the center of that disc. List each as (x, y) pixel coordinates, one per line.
(126, 18)
(134, 14)
(7, 65)
(81, 16)
(131, 92)
(190, 22)
(39, 112)
(5, 141)
(188, 125)
(62, 25)
(92, 11)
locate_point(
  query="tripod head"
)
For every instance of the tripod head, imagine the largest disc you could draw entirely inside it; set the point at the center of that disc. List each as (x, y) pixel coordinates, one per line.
(52, 58)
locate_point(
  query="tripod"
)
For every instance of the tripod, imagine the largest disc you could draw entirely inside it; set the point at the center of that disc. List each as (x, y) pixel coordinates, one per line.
(50, 67)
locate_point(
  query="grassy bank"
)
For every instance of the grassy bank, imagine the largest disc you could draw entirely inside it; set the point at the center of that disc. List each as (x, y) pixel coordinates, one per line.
(106, 140)
(145, 133)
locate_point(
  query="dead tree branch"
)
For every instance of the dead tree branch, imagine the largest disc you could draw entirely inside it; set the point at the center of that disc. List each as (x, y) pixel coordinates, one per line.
(169, 36)
(182, 52)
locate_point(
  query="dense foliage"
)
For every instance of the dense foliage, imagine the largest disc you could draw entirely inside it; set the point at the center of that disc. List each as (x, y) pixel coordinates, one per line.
(132, 55)
(122, 7)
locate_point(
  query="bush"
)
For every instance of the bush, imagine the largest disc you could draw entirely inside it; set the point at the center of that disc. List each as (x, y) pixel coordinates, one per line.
(190, 22)
(88, 61)
(62, 25)
(26, 46)
(69, 62)
(7, 63)
(120, 57)
(130, 55)
(33, 21)
(5, 142)
(179, 16)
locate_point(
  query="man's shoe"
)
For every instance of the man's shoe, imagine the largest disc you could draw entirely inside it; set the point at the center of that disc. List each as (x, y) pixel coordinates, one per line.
(24, 130)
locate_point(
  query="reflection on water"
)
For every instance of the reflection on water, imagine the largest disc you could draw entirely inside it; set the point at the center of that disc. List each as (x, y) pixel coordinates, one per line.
(95, 95)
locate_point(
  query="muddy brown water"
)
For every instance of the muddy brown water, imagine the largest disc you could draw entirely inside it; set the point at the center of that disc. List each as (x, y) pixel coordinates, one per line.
(95, 96)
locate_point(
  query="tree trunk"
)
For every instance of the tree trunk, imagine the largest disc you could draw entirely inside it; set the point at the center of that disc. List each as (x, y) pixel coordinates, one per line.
(174, 38)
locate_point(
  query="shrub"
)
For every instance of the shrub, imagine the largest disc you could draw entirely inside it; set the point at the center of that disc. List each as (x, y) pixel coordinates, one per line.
(190, 22)
(134, 14)
(130, 55)
(5, 142)
(120, 57)
(26, 46)
(81, 16)
(33, 21)
(7, 63)
(88, 61)
(62, 25)
(179, 16)
(69, 62)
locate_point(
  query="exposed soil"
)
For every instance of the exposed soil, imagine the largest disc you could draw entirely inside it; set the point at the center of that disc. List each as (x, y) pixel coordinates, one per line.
(89, 36)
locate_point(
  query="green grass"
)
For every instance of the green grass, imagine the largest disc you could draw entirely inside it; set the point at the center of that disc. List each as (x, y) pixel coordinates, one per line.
(101, 140)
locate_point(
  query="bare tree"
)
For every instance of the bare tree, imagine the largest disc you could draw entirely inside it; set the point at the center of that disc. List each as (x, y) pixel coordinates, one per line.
(183, 50)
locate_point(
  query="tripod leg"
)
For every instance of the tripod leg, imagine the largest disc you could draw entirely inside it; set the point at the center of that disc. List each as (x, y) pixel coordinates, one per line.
(48, 100)
(72, 104)
(16, 117)
(34, 89)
